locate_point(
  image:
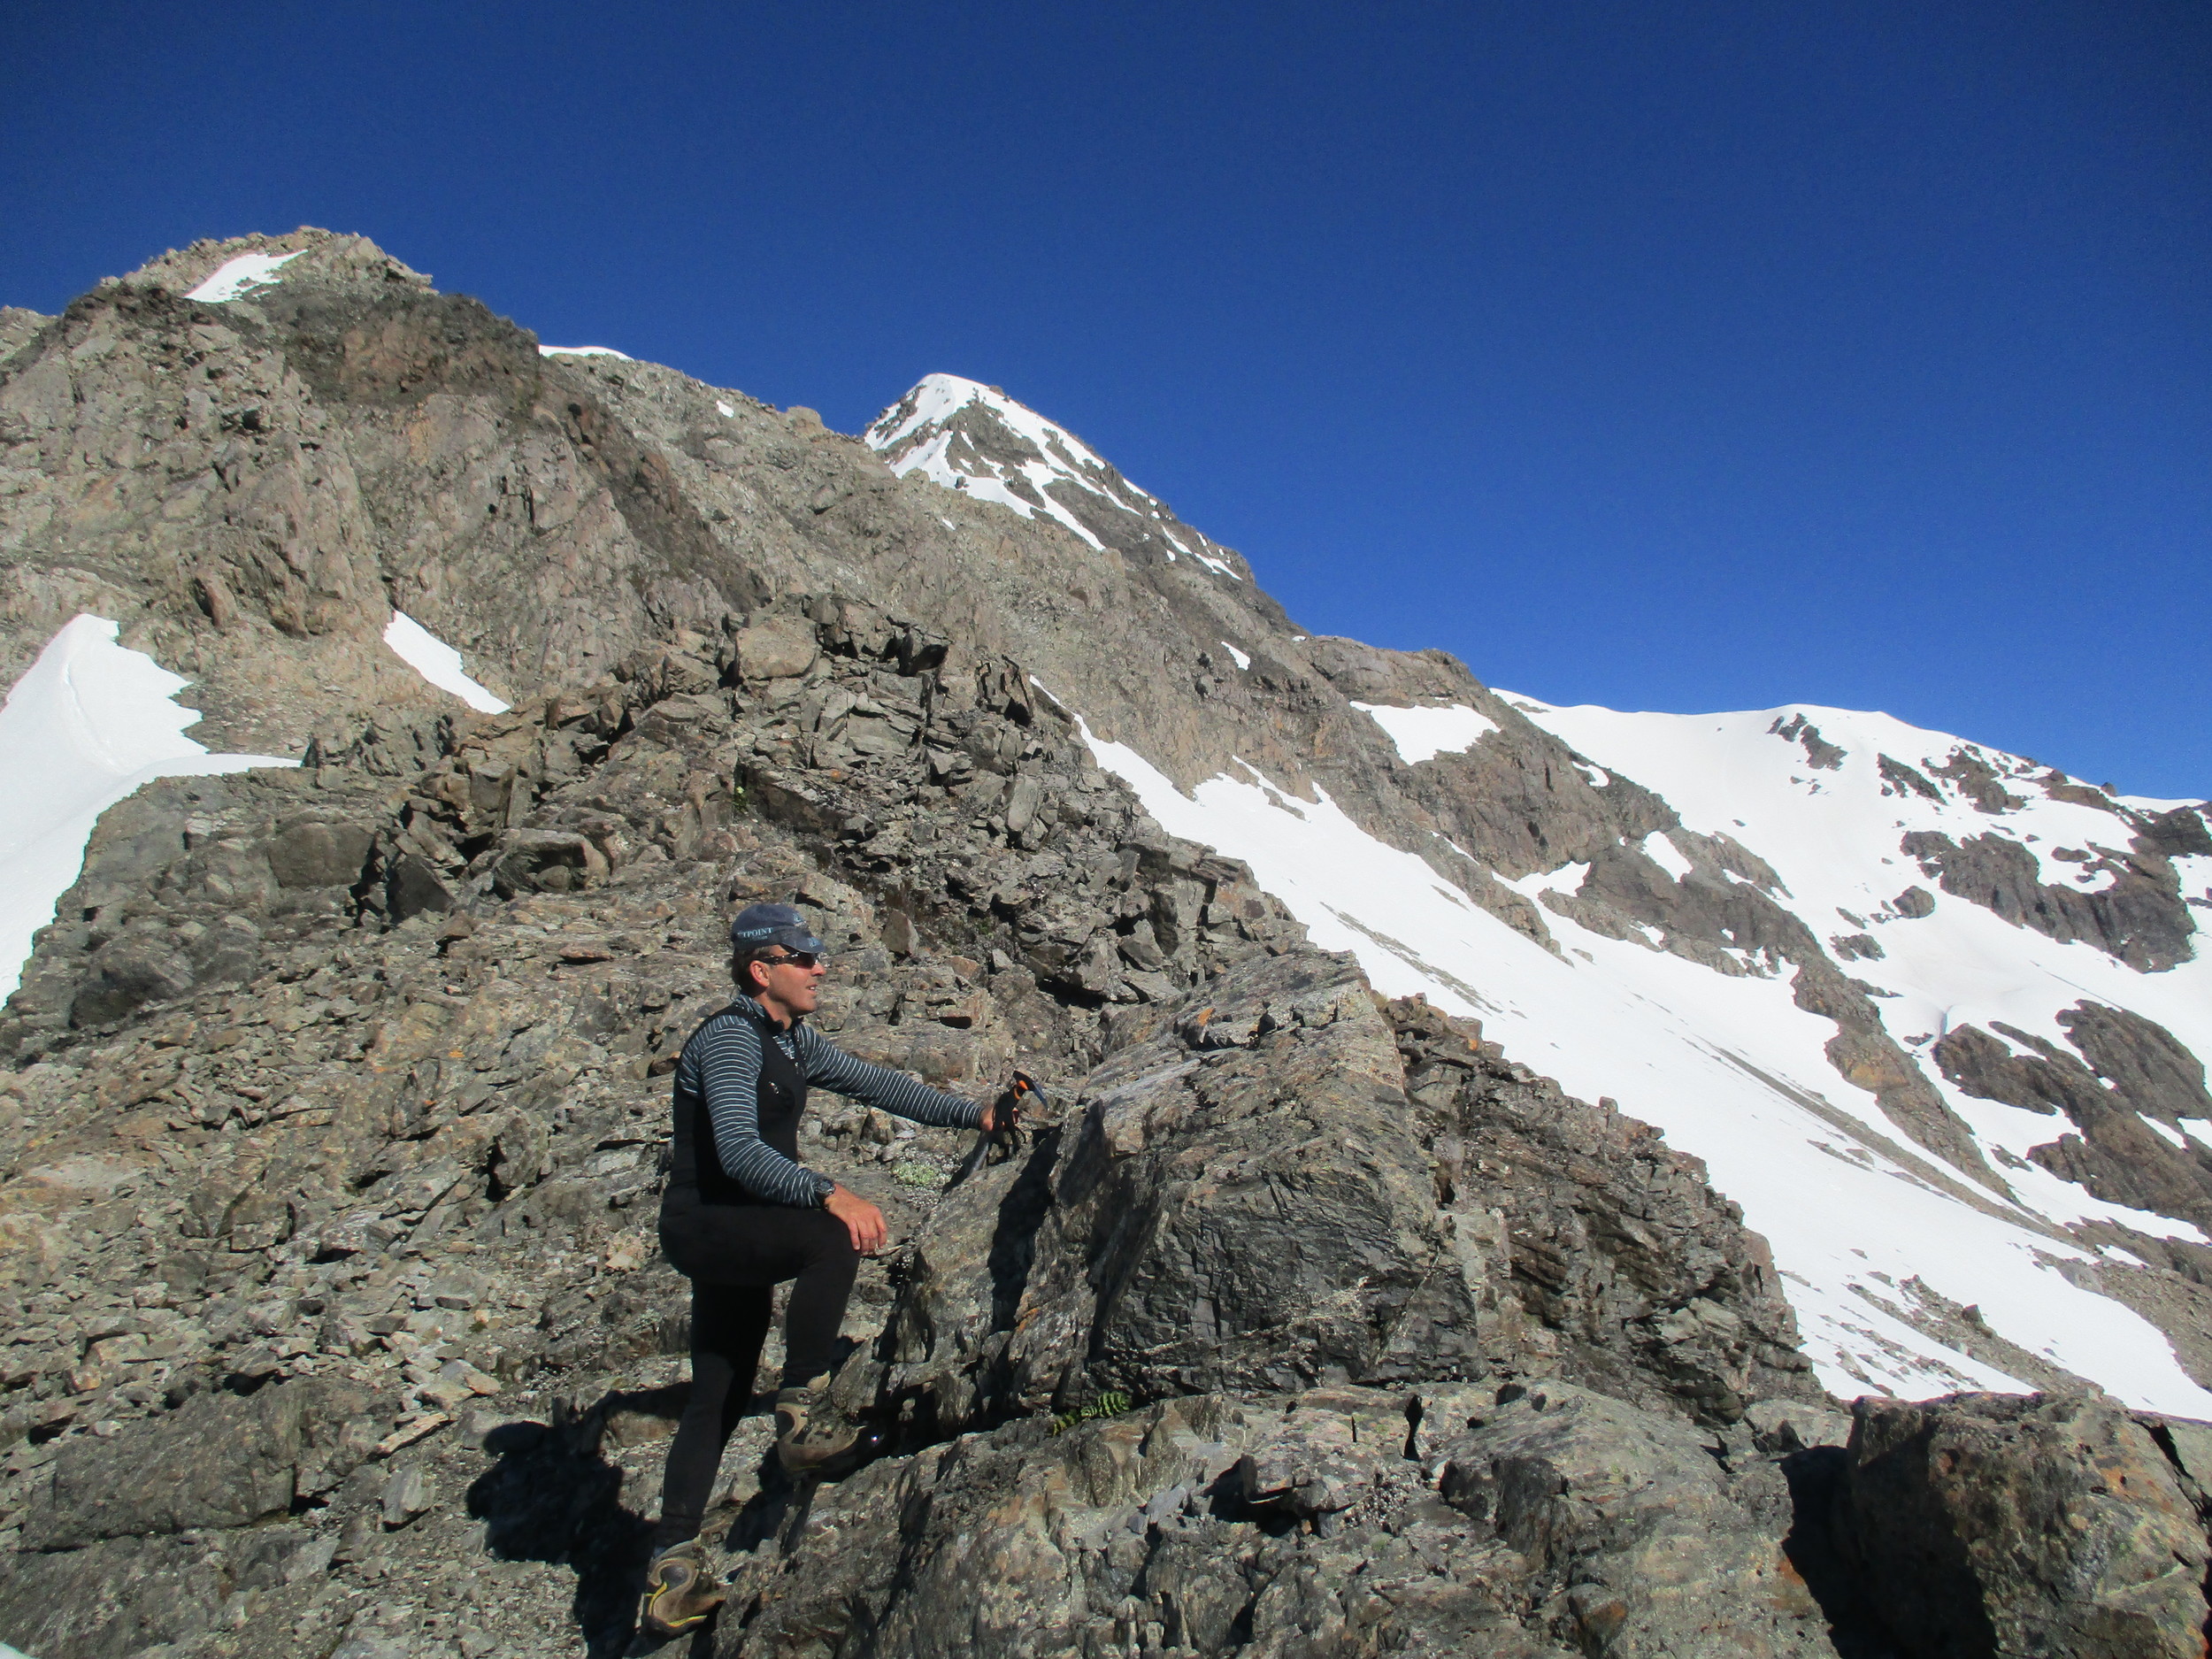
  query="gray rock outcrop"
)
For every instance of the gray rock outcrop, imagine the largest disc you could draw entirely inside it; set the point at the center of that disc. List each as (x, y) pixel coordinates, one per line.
(2007, 1525)
(1341, 1521)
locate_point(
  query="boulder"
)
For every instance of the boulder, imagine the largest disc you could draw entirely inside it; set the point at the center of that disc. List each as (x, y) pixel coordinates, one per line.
(219, 1461)
(414, 888)
(127, 973)
(1182, 1229)
(776, 648)
(1626, 1516)
(309, 852)
(547, 860)
(2005, 1525)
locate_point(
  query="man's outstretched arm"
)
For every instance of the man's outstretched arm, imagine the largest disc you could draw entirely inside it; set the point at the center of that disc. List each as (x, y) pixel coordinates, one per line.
(828, 1066)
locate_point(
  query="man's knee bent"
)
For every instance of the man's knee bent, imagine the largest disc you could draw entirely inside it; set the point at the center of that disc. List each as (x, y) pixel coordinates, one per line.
(828, 1243)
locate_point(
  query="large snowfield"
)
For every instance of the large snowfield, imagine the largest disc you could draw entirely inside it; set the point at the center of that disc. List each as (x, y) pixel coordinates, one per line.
(1729, 1067)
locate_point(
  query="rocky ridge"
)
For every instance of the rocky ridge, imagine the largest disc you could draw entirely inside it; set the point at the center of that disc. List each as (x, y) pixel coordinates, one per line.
(392, 1221)
(352, 1075)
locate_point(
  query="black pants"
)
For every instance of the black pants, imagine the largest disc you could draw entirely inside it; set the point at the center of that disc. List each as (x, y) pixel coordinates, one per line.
(735, 1255)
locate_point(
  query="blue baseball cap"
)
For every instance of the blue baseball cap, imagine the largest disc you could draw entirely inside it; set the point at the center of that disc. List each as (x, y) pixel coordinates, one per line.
(758, 925)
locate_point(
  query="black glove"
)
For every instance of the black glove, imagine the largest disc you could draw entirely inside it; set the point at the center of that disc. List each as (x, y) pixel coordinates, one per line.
(1022, 1094)
(999, 1141)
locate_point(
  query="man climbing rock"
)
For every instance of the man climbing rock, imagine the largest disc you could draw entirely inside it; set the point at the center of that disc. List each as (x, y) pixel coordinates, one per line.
(742, 1214)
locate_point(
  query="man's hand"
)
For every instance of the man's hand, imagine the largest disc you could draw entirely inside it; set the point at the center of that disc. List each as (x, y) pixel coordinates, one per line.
(862, 1220)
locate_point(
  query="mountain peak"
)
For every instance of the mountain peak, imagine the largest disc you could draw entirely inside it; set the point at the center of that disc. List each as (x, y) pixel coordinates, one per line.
(976, 439)
(936, 398)
(219, 270)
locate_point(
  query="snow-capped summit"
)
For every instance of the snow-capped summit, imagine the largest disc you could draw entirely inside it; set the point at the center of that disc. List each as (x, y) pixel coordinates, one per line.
(974, 438)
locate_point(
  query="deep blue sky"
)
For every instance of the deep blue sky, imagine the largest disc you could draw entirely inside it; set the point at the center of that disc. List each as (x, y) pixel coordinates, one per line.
(1677, 356)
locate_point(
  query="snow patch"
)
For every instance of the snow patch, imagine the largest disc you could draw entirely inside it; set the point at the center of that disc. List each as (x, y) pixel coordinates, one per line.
(722, 407)
(2195, 873)
(1567, 879)
(1423, 734)
(596, 352)
(246, 274)
(932, 461)
(89, 723)
(1243, 661)
(437, 662)
(1662, 852)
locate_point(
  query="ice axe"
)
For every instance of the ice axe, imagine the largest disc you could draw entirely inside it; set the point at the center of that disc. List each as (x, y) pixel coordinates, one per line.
(1022, 1094)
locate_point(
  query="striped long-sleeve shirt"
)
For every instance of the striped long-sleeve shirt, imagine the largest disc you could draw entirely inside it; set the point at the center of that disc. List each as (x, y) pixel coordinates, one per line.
(721, 1062)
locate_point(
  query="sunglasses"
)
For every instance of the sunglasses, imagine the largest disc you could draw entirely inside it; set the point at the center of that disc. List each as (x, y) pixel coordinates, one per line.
(795, 959)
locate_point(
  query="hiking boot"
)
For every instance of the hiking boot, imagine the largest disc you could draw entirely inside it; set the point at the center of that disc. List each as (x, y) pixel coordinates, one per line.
(680, 1592)
(813, 1437)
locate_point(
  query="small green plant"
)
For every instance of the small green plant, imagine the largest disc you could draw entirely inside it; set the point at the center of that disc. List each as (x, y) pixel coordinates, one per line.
(918, 1175)
(1107, 1405)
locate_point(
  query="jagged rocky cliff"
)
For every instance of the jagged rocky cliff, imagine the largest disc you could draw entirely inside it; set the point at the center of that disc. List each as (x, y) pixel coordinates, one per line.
(336, 1089)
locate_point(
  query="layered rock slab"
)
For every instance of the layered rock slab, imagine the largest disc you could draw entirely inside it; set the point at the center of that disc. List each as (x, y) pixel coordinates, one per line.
(1248, 1197)
(1238, 1200)
(1336, 1521)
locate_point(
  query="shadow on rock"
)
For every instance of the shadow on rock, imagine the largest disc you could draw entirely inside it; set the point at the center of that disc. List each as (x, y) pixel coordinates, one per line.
(552, 1497)
(1014, 1241)
(1815, 1476)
